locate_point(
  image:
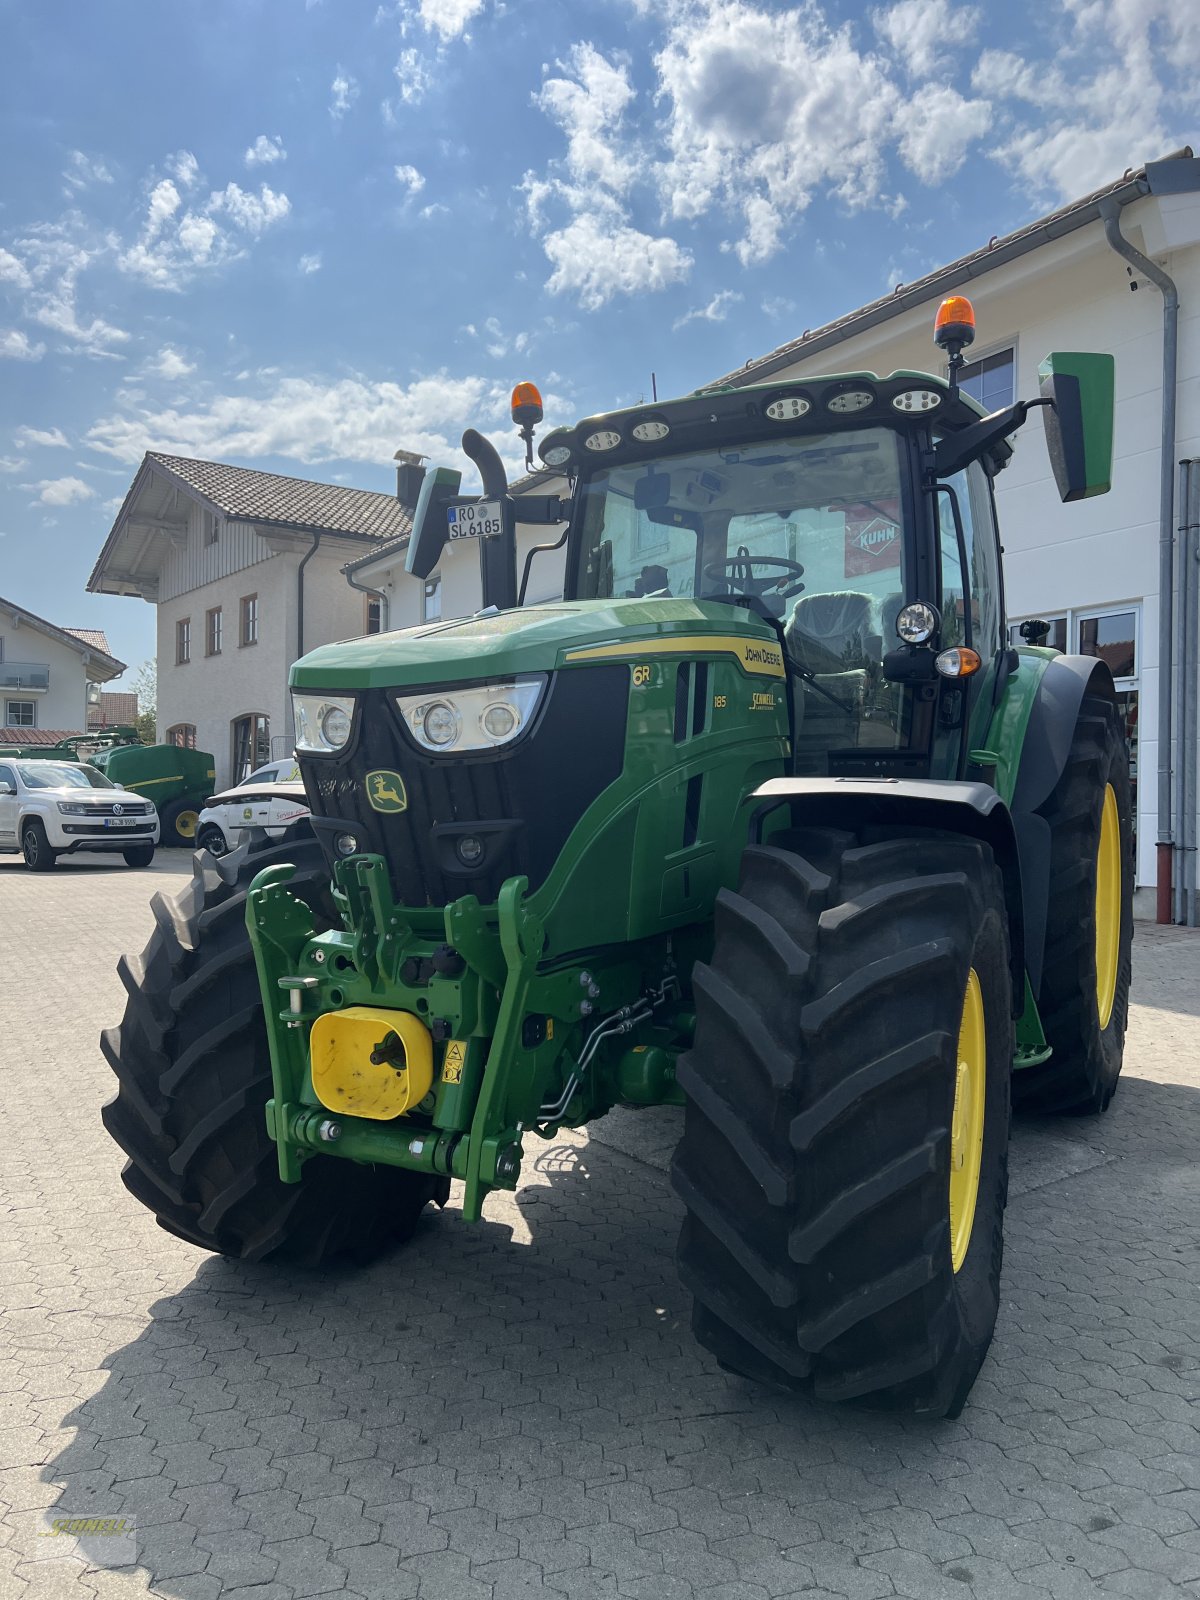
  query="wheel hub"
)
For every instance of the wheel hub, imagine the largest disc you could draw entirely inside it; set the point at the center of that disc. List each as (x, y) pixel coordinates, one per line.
(1108, 906)
(966, 1122)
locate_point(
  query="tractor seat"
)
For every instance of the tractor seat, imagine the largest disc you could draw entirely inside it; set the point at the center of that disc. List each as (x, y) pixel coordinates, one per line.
(833, 632)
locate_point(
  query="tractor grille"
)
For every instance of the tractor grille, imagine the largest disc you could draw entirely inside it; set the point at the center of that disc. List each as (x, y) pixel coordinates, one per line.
(523, 801)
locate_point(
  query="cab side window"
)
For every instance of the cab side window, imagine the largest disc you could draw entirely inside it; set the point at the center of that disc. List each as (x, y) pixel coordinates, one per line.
(971, 601)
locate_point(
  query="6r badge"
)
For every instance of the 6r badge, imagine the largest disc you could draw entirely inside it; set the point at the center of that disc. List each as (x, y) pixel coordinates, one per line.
(386, 791)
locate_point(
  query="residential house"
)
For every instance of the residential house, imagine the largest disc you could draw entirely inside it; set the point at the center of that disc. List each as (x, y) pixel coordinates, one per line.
(112, 709)
(244, 568)
(46, 674)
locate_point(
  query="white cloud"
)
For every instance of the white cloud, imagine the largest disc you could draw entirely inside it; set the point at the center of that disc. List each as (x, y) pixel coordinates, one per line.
(412, 180)
(83, 171)
(169, 364)
(589, 107)
(309, 264)
(310, 419)
(935, 144)
(414, 76)
(49, 438)
(925, 33)
(185, 169)
(12, 463)
(343, 93)
(13, 271)
(716, 310)
(254, 213)
(61, 491)
(437, 209)
(264, 152)
(15, 346)
(448, 17)
(595, 258)
(178, 241)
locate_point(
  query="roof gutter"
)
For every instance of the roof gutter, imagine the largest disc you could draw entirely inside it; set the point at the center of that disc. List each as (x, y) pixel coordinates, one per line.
(997, 254)
(1111, 217)
(385, 605)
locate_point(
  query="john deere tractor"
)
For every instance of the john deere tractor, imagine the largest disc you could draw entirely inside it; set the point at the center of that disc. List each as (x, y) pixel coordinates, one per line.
(766, 819)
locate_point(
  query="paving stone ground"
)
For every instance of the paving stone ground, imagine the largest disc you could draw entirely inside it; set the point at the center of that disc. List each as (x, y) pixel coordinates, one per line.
(518, 1409)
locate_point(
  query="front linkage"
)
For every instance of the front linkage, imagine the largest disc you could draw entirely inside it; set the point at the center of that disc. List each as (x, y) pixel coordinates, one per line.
(470, 1044)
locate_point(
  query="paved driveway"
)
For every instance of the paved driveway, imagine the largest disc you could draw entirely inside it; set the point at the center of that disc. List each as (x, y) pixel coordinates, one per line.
(519, 1408)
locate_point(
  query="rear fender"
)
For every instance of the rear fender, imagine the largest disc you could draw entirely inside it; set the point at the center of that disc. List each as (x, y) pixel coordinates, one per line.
(972, 809)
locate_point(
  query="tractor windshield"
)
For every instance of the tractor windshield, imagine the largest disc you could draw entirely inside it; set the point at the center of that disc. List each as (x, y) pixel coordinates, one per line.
(809, 525)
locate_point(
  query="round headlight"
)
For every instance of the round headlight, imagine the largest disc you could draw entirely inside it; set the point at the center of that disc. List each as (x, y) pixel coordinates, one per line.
(335, 726)
(500, 720)
(917, 623)
(557, 456)
(440, 723)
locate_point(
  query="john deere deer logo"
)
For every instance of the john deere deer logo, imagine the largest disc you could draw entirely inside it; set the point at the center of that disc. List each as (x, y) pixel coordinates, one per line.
(386, 791)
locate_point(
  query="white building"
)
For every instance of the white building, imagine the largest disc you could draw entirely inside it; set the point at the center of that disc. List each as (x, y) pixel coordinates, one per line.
(46, 672)
(245, 570)
(1091, 570)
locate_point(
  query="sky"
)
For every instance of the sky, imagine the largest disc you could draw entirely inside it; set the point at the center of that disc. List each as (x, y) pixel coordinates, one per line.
(300, 234)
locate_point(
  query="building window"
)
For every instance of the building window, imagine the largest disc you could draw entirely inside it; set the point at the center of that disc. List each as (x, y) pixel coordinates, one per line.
(249, 619)
(182, 734)
(251, 743)
(212, 527)
(21, 713)
(212, 632)
(992, 380)
(431, 604)
(374, 614)
(183, 641)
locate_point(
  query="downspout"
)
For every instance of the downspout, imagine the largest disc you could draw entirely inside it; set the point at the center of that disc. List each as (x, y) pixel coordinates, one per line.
(385, 605)
(312, 550)
(1110, 213)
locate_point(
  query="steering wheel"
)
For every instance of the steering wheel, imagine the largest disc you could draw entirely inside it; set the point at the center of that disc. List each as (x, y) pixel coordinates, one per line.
(738, 572)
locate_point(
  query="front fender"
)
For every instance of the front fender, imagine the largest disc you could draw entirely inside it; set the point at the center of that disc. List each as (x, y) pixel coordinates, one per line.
(973, 809)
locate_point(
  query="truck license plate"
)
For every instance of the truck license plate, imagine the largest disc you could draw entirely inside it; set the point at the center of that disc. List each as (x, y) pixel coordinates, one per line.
(121, 822)
(482, 520)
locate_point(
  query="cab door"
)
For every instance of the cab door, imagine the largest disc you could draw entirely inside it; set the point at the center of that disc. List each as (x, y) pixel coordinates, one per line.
(8, 808)
(972, 605)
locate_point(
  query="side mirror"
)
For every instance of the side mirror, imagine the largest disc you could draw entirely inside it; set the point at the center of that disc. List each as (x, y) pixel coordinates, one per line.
(1079, 421)
(6, 787)
(430, 525)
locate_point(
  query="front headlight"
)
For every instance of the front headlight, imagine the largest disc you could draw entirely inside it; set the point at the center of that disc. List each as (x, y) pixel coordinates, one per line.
(323, 721)
(72, 808)
(478, 718)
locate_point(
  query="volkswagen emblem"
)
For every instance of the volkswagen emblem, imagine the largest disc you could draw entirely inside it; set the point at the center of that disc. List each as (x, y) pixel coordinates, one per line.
(118, 809)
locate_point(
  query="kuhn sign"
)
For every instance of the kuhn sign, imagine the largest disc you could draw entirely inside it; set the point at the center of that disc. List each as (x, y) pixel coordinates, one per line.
(872, 538)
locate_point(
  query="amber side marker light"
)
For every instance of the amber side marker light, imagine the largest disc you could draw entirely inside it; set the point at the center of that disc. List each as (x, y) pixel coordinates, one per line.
(960, 662)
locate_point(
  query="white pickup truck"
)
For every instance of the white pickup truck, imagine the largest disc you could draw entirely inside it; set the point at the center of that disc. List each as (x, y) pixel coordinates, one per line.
(53, 808)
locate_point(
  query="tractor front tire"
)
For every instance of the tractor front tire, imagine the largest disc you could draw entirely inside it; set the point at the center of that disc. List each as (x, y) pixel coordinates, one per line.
(193, 1077)
(1084, 994)
(844, 1162)
(178, 821)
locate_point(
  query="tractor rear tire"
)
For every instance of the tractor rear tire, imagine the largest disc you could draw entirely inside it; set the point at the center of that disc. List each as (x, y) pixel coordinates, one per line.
(1084, 994)
(194, 1074)
(823, 1117)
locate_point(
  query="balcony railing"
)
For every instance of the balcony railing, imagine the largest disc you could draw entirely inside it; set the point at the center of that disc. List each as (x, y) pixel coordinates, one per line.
(24, 675)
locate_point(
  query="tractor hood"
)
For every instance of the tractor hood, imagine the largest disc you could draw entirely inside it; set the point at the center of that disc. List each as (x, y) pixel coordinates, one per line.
(541, 639)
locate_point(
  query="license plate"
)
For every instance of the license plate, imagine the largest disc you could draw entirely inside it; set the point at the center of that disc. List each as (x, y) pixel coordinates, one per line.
(483, 519)
(122, 822)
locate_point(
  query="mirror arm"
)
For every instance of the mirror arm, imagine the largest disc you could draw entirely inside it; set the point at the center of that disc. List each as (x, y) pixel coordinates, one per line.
(956, 450)
(537, 549)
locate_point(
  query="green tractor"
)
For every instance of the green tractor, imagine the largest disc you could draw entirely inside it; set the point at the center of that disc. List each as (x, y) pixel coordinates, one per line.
(765, 820)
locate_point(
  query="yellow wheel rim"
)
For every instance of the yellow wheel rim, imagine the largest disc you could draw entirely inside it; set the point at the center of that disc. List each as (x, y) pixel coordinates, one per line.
(186, 823)
(1108, 906)
(966, 1123)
